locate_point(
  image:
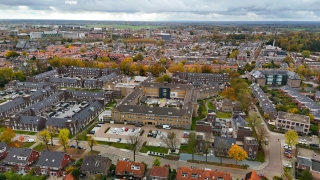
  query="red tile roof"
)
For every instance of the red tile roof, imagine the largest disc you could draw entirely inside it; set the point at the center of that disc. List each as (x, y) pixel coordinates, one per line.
(252, 176)
(158, 171)
(123, 166)
(187, 173)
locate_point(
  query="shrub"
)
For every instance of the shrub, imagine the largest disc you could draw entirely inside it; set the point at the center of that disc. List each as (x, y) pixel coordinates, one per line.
(142, 131)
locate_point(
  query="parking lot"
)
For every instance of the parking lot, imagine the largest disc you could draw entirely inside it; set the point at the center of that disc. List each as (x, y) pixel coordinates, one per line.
(69, 112)
(123, 131)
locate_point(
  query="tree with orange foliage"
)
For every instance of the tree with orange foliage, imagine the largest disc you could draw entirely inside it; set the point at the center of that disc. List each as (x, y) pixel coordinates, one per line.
(229, 93)
(7, 135)
(237, 153)
(21, 138)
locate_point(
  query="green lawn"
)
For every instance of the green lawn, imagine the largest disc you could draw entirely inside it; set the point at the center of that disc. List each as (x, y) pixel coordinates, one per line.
(211, 106)
(26, 144)
(185, 149)
(194, 121)
(25, 132)
(116, 145)
(112, 104)
(224, 114)
(39, 147)
(145, 149)
(260, 157)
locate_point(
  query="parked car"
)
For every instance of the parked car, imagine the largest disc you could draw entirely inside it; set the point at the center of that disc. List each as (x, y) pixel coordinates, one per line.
(150, 134)
(314, 145)
(126, 129)
(211, 153)
(80, 147)
(92, 132)
(138, 125)
(159, 144)
(262, 176)
(132, 130)
(30, 140)
(98, 125)
(288, 165)
(115, 130)
(73, 146)
(119, 140)
(288, 155)
(154, 135)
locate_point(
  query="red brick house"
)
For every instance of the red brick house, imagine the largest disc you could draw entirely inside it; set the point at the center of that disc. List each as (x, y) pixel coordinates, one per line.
(51, 163)
(130, 170)
(20, 159)
(159, 173)
(187, 173)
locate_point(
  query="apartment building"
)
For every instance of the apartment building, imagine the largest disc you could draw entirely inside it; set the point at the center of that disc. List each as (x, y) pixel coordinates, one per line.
(186, 173)
(25, 86)
(290, 121)
(275, 77)
(133, 114)
(202, 78)
(251, 146)
(67, 82)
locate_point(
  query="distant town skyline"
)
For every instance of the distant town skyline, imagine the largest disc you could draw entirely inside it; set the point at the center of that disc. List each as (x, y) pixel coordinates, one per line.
(165, 10)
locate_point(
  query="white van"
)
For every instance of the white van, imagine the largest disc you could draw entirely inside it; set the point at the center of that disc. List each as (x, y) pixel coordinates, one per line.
(166, 127)
(115, 130)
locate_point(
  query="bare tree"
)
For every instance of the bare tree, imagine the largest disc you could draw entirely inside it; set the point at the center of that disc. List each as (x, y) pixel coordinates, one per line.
(135, 141)
(261, 134)
(206, 144)
(171, 141)
(219, 147)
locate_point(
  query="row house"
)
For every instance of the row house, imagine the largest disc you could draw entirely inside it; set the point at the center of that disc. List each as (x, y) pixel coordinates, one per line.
(41, 78)
(85, 95)
(67, 82)
(301, 100)
(14, 106)
(20, 160)
(37, 108)
(290, 121)
(107, 71)
(92, 84)
(206, 91)
(81, 71)
(263, 100)
(110, 83)
(52, 163)
(186, 173)
(25, 86)
(26, 123)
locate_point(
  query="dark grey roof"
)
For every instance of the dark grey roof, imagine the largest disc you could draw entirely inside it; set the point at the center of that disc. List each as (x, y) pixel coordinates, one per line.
(31, 84)
(11, 104)
(229, 141)
(87, 111)
(29, 119)
(3, 147)
(90, 81)
(239, 121)
(108, 77)
(132, 96)
(96, 164)
(37, 93)
(85, 69)
(135, 109)
(46, 74)
(264, 102)
(64, 80)
(318, 94)
(304, 161)
(315, 165)
(23, 44)
(16, 153)
(87, 94)
(51, 159)
(168, 85)
(48, 101)
(57, 122)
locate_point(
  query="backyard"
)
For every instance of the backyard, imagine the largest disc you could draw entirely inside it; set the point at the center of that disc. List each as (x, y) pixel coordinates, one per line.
(224, 115)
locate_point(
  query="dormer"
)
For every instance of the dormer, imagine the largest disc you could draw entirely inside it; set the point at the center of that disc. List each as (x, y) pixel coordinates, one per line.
(134, 167)
(184, 174)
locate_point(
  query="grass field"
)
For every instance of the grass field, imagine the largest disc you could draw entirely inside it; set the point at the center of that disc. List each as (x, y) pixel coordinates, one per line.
(211, 106)
(145, 149)
(123, 26)
(224, 114)
(25, 132)
(116, 145)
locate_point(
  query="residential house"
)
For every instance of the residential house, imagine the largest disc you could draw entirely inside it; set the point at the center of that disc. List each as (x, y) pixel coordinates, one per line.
(252, 175)
(130, 170)
(317, 96)
(202, 126)
(226, 105)
(43, 77)
(203, 78)
(251, 146)
(222, 145)
(26, 123)
(4, 149)
(92, 165)
(240, 128)
(67, 82)
(159, 173)
(20, 159)
(304, 163)
(186, 173)
(290, 121)
(52, 163)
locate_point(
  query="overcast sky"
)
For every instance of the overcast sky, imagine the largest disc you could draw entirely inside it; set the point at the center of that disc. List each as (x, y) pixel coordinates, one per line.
(162, 10)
